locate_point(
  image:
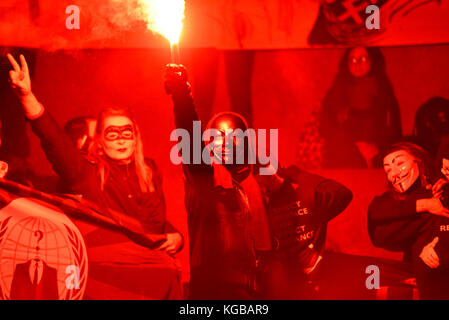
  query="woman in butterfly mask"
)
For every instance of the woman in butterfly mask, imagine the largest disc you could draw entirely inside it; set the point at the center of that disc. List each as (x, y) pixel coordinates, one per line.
(115, 176)
(411, 218)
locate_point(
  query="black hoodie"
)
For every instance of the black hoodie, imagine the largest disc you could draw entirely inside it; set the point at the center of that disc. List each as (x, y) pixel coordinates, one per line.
(395, 225)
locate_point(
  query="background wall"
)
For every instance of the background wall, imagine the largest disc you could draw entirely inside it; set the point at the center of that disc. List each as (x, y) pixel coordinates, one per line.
(287, 85)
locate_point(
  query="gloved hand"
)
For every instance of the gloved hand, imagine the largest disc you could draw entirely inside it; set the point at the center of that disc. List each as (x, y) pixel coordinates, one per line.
(176, 79)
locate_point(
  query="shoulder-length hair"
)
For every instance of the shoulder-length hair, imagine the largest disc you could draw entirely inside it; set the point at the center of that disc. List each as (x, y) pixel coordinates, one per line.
(96, 153)
(427, 172)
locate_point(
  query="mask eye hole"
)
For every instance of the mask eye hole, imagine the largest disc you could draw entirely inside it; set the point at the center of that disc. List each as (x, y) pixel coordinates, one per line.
(111, 135)
(127, 134)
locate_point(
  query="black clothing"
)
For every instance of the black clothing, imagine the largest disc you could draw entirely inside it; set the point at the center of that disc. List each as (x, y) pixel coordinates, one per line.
(18, 170)
(358, 109)
(432, 126)
(116, 259)
(299, 212)
(395, 225)
(224, 242)
(121, 191)
(222, 250)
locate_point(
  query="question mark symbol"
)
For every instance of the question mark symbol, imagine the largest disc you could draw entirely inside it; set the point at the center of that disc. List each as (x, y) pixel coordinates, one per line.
(39, 235)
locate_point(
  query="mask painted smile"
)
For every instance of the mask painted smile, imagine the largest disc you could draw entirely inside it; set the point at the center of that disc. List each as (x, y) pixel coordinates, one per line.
(402, 170)
(399, 180)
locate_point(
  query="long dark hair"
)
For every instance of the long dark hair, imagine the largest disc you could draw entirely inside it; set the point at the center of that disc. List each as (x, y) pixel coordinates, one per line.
(344, 84)
(427, 172)
(344, 78)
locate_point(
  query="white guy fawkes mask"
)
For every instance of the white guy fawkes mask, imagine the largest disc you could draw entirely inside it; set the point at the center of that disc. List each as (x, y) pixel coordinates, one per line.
(402, 170)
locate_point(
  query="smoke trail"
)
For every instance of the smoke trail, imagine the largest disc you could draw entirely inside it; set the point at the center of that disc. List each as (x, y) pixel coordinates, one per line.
(104, 23)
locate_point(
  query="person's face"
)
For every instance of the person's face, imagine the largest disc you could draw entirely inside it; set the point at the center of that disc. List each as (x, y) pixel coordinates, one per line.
(118, 136)
(229, 144)
(359, 63)
(445, 168)
(402, 170)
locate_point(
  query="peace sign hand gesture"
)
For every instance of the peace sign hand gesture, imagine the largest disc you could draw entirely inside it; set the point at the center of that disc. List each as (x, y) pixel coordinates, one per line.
(19, 78)
(20, 81)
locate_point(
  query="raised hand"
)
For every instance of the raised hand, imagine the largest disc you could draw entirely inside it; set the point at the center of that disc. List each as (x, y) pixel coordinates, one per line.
(20, 81)
(175, 78)
(19, 77)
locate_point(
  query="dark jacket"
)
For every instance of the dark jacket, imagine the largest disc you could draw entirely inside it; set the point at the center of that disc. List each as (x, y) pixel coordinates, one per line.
(222, 252)
(141, 218)
(121, 191)
(18, 169)
(300, 210)
(212, 217)
(395, 225)
(362, 109)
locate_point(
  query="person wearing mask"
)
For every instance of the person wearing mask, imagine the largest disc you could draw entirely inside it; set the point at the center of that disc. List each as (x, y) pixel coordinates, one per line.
(114, 175)
(227, 221)
(410, 217)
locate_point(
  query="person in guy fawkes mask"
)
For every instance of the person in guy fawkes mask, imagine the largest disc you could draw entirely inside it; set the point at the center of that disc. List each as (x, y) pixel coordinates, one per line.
(411, 218)
(226, 214)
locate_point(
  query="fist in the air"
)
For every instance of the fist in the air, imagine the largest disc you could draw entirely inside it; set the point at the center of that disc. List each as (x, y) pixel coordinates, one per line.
(175, 79)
